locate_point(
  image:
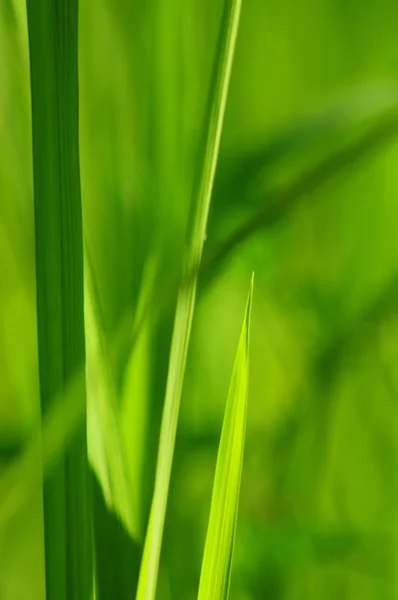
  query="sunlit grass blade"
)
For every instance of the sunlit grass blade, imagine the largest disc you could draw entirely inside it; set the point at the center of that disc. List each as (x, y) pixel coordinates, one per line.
(52, 26)
(217, 560)
(186, 297)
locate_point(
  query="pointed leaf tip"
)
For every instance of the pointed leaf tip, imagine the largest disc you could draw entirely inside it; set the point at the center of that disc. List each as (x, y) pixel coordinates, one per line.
(217, 560)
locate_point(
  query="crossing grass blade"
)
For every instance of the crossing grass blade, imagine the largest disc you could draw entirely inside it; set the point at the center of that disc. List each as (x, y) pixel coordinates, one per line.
(53, 40)
(186, 297)
(217, 559)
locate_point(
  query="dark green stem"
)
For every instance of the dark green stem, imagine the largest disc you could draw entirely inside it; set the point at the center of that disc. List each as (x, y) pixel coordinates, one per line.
(53, 42)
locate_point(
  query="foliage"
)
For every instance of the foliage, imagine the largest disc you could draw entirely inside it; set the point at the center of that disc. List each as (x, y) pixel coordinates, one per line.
(303, 194)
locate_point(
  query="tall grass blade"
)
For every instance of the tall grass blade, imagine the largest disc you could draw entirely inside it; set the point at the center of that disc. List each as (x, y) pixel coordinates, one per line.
(186, 296)
(217, 560)
(53, 28)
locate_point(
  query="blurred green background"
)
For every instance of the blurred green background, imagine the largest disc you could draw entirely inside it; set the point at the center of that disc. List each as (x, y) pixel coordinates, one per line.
(319, 499)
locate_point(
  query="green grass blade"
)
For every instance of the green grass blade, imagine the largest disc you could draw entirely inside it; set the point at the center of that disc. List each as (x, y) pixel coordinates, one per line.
(52, 27)
(217, 560)
(186, 297)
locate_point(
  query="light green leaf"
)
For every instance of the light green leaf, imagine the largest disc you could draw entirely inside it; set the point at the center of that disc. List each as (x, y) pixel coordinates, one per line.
(217, 560)
(136, 410)
(200, 205)
(106, 449)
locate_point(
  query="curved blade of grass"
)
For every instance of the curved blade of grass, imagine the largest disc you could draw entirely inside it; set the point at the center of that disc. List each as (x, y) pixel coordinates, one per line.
(53, 28)
(186, 296)
(217, 560)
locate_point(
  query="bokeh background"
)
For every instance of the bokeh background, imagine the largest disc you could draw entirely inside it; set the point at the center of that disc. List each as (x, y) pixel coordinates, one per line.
(319, 499)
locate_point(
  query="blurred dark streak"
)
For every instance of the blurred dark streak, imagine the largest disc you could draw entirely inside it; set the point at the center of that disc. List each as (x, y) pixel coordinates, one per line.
(281, 202)
(117, 555)
(351, 343)
(361, 333)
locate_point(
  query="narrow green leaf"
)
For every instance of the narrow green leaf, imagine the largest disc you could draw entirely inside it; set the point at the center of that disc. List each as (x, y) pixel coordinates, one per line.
(217, 560)
(53, 35)
(187, 293)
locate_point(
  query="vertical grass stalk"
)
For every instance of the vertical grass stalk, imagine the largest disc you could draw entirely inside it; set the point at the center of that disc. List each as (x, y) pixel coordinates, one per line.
(186, 297)
(53, 42)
